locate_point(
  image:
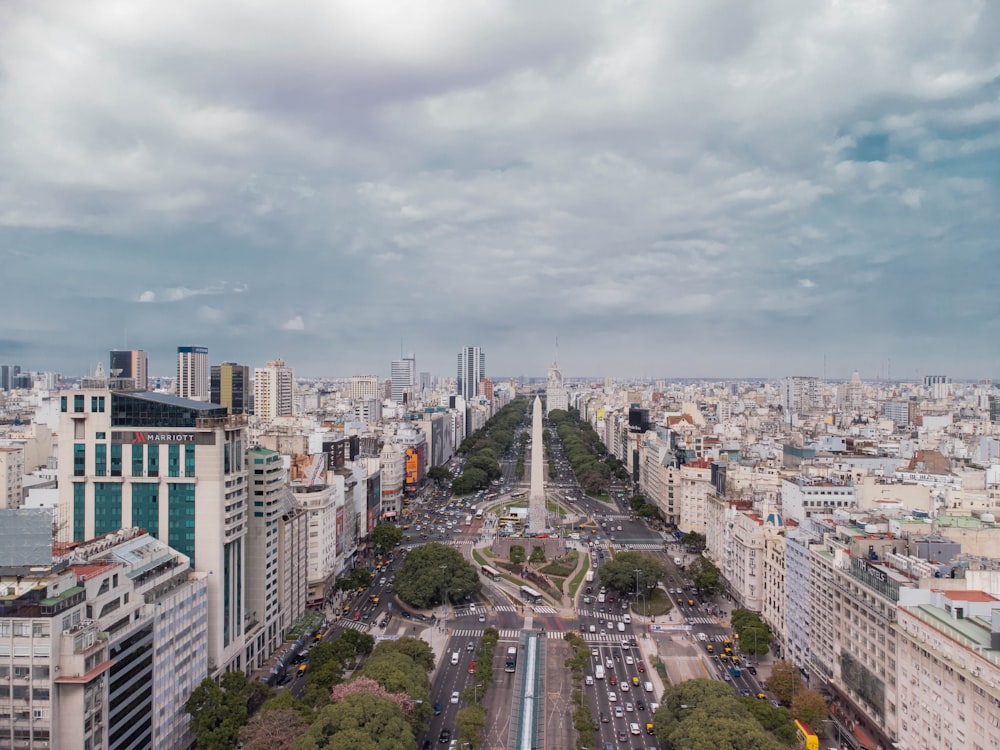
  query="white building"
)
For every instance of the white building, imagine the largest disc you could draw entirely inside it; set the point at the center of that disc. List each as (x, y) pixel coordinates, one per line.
(192, 373)
(365, 387)
(273, 390)
(804, 497)
(11, 476)
(555, 392)
(403, 375)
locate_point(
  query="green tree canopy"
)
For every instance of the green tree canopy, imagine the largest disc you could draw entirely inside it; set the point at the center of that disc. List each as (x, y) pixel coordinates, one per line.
(218, 710)
(785, 681)
(432, 571)
(695, 541)
(620, 574)
(810, 706)
(361, 721)
(385, 536)
(358, 578)
(440, 475)
(706, 576)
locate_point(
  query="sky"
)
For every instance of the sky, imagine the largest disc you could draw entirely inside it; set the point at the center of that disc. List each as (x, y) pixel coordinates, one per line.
(666, 188)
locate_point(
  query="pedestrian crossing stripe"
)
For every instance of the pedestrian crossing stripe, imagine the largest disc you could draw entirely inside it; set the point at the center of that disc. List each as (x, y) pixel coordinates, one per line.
(357, 625)
(626, 546)
(505, 635)
(543, 609)
(601, 615)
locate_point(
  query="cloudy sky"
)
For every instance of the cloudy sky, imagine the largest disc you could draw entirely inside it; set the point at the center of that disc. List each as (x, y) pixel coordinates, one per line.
(671, 188)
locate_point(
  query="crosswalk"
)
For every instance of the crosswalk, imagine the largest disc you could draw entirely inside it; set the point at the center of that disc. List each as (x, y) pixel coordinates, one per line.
(364, 627)
(543, 609)
(504, 608)
(701, 621)
(601, 615)
(641, 546)
(505, 635)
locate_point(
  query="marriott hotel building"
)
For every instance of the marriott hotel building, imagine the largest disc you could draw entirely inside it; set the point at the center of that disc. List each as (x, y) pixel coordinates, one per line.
(176, 468)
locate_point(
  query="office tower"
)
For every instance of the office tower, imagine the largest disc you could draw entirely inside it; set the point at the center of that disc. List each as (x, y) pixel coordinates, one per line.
(403, 376)
(108, 640)
(273, 390)
(7, 375)
(556, 396)
(192, 373)
(176, 468)
(800, 393)
(364, 387)
(132, 364)
(938, 385)
(230, 387)
(471, 367)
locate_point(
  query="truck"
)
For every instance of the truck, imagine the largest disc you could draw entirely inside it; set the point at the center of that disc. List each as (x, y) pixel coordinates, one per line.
(589, 577)
(599, 671)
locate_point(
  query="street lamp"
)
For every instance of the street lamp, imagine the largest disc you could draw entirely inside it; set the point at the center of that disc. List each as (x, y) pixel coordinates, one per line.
(444, 580)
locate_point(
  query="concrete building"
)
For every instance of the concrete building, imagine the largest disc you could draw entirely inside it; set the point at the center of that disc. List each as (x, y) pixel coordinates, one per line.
(7, 375)
(101, 646)
(799, 394)
(773, 578)
(391, 458)
(403, 374)
(696, 487)
(229, 386)
(174, 467)
(471, 367)
(364, 387)
(192, 373)
(273, 390)
(131, 363)
(324, 507)
(556, 396)
(804, 497)
(949, 670)
(11, 476)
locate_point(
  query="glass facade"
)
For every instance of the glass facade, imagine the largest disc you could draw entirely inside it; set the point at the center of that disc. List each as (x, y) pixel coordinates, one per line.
(173, 460)
(142, 410)
(107, 507)
(100, 460)
(137, 459)
(116, 459)
(180, 518)
(152, 460)
(189, 460)
(146, 507)
(79, 460)
(79, 511)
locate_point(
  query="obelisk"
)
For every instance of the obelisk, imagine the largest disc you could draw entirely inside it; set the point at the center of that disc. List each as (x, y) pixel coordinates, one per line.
(536, 497)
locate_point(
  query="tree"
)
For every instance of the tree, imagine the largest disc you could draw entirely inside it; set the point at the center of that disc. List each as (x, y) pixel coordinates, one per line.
(219, 710)
(517, 554)
(385, 536)
(440, 475)
(785, 681)
(470, 722)
(695, 541)
(433, 571)
(272, 730)
(810, 706)
(706, 576)
(358, 578)
(416, 649)
(619, 574)
(537, 554)
(362, 721)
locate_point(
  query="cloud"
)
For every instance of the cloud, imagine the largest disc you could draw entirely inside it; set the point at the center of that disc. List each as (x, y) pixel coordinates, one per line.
(147, 296)
(210, 314)
(294, 324)
(806, 283)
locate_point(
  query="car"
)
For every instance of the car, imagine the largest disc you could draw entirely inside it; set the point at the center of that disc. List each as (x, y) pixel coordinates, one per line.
(612, 696)
(640, 666)
(745, 693)
(625, 688)
(594, 652)
(752, 669)
(629, 659)
(357, 615)
(604, 718)
(640, 706)
(482, 617)
(426, 745)
(285, 679)
(635, 680)
(633, 728)
(454, 697)
(622, 737)
(762, 696)
(618, 712)
(445, 737)
(437, 709)
(589, 679)
(629, 707)
(612, 680)
(470, 646)
(472, 667)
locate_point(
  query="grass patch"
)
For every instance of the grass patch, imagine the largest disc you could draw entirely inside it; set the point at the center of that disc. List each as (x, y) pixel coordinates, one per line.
(658, 604)
(562, 566)
(577, 581)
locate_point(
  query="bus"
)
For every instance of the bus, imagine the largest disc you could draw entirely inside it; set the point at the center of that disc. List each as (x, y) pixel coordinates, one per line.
(509, 520)
(530, 595)
(807, 739)
(518, 495)
(472, 510)
(492, 573)
(479, 513)
(510, 663)
(468, 520)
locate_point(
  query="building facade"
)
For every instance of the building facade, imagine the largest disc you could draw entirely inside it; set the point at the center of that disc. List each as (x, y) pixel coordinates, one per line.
(273, 390)
(229, 386)
(471, 367)
(131, 363)
(192, 373)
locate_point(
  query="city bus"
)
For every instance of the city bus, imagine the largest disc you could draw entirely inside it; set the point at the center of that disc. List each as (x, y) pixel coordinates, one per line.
(807, 739)
(509, 520)
(492, 573)
(530, 595)
(468, 520)
(510, 663)
(518, 495)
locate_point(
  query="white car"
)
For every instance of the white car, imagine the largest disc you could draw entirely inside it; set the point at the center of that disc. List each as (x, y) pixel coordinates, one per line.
(589, 679)
(624, 686)
(633, 728)
(629, 659)
(612, 696)
(618, 712)
(454, 697)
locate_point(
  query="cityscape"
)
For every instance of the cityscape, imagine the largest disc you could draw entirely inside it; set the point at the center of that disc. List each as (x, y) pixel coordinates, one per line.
(608, 375)
(824, 551)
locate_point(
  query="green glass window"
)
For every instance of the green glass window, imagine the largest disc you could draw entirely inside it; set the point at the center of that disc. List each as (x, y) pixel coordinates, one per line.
(189, 460)
(225, 458)
(79, 460)
(78, 403)
(107, 507)
(146, 507)
(100, 460)
(152, 460)
(173, 460)
(180, 518)
(79, 511)
(62, 404)
(137, 459)
(116, 459)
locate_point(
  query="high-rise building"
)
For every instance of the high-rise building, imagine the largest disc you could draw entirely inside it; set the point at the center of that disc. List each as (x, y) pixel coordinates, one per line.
(192, 373)
(471, 367)
(938, 385)
(132, 364)
(176, 468)
(7, 375)
(403, 375)
(273, 390)
(800, 393)
(364, 387)
(230, 387)
(556, 396)
(11, 476)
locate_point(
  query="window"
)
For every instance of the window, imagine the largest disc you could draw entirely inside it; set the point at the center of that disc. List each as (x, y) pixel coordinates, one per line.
(173, 460)
(79, 460)
(137, 459)
(100, 460)
(79, 511)
(62, 404)
(180, 518)
(189, 460)
(107, 507)
(152, 460)
(146, 507)
(116, 459)
(78, 403)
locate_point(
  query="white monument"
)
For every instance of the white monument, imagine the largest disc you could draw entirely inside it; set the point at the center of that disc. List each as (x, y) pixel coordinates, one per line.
(536, 497)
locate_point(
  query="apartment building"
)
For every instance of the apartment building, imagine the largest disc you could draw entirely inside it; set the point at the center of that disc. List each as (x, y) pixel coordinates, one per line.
(273, 390)
(803, 497)
(11, 476)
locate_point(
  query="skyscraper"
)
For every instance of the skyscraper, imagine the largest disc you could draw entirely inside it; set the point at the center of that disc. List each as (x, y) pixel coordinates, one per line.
(273, 390)
(230, 387)
(364, 387)
(7, 375)
(132, 364)
(192, 373)
(403, 375)
(471, 367)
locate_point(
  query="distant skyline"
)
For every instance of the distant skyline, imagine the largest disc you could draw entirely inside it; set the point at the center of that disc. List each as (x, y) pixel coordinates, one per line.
(673, 190)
